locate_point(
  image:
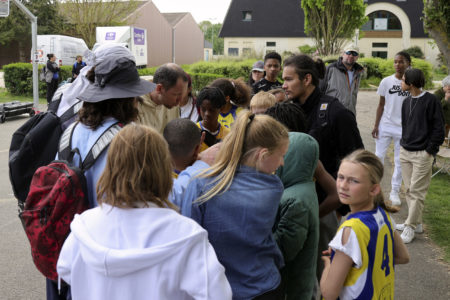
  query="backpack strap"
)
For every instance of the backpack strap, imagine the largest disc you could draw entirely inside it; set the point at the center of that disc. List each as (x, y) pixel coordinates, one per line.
(100, 145)
(68, 114)
(65, 151)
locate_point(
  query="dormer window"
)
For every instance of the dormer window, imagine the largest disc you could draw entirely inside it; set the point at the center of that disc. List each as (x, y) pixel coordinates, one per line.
(247, 15)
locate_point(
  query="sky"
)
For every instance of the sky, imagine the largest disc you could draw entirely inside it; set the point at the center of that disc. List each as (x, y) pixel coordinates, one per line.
(202, 10)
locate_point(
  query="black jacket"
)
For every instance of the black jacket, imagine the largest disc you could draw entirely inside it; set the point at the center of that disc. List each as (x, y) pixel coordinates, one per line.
(422, 124)
(337, 135)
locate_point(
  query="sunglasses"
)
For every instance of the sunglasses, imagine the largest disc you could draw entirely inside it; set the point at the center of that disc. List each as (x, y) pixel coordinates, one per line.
(353, 53)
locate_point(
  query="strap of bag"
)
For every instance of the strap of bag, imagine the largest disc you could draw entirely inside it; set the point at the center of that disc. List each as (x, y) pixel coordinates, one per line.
(66, 152)
(71, 111)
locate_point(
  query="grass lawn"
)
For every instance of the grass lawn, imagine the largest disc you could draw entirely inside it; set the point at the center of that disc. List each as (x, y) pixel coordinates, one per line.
(5, 96)
(437, 212)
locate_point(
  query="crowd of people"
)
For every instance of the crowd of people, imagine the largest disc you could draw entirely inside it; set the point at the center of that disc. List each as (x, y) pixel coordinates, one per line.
(245, 190)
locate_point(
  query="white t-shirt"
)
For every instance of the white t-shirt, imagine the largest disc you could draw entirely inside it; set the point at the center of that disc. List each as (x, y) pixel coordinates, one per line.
(391, 89)
(189, 111)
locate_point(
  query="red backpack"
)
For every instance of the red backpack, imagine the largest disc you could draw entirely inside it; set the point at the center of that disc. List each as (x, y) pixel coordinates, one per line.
(58, 191)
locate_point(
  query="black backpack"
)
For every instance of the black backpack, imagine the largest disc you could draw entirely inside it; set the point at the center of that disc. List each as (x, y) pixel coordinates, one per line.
(35, 144)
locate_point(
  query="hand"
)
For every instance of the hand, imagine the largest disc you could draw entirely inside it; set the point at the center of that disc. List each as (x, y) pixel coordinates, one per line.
(326, 261)
(327, 252)
(210, 154)
(375, 132)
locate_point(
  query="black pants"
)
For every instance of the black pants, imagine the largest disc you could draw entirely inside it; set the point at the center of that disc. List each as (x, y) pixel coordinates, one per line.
(276, 294)
(51, 89)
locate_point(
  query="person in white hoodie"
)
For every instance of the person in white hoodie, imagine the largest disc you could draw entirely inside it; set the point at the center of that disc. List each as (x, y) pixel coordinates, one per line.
(135, 245)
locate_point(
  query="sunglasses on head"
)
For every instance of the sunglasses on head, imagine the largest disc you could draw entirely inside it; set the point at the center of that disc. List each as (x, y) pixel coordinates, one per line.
(353, 53)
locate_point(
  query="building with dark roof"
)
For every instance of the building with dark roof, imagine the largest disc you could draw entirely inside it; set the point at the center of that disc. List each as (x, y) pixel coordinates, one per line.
(260, 26)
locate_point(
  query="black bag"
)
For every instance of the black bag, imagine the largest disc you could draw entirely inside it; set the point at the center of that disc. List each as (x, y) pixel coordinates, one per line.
(34, 145)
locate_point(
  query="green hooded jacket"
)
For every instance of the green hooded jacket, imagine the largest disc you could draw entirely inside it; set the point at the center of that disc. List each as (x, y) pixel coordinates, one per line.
(296, 228)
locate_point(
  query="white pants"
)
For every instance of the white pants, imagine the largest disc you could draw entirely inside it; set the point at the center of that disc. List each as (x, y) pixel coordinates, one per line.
(386, 134)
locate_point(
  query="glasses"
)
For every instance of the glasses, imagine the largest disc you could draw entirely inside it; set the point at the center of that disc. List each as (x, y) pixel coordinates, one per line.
(353, 53)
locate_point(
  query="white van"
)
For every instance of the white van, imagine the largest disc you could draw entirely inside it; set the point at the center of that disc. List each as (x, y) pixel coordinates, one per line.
(65, 48)
(131, 37)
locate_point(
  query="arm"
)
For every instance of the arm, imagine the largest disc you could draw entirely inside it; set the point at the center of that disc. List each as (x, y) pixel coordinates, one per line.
(328, 184)
(401, 255)
(346, 133)
(380, 110)
(51, 67)
(74, 70)
(335, 273)
(64, 264)
(435, 118)
(292, 229)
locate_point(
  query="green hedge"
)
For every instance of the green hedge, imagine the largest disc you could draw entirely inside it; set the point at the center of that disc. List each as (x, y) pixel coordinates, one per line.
(380, 68)
(18, 78)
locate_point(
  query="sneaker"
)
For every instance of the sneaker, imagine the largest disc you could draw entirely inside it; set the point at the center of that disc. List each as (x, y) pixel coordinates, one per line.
(407, 235)
(395, 199)
(401, 227)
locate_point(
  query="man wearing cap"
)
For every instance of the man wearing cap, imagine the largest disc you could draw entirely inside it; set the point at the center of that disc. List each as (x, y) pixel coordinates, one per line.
(161, 105)
(342, 78)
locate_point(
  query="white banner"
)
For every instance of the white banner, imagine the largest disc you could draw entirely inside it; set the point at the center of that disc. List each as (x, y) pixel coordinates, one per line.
(4, 8)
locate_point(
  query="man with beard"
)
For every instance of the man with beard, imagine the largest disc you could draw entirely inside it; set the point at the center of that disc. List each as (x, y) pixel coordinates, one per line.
(328, 121)
(342, 79)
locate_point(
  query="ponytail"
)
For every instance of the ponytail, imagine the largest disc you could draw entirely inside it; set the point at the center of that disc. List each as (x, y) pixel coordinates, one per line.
(249, 132)
(236, 89)
(304, 64)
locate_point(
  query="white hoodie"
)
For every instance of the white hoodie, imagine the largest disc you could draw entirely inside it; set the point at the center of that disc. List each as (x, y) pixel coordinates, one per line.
(140, 253)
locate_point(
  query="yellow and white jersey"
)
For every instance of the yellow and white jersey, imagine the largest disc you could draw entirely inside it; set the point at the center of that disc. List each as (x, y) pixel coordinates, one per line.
(229, 118)
(371, 247)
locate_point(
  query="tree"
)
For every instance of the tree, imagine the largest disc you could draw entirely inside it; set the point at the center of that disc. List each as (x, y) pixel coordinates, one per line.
(437, 24)
(16, 28)
(211, 33)
(85, 15)
(332, 22)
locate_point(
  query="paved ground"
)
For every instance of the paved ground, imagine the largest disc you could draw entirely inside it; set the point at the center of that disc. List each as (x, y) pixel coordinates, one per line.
(425, 277)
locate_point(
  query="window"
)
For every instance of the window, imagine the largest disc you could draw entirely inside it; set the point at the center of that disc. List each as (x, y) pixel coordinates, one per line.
(382, 21)
(271, 44)
(247, 15)
(247, 52)
(381, 54)
(379, 45)
(233, 51)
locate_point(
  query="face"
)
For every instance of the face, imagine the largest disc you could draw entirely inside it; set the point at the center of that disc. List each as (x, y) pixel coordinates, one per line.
(447, 92)
(354, 186)
(269, 162)
(53, 58)
(400, 64)
(349, 59)
(405, 87)
(293, 86)
(172, 97)
(257, 75)
(272, 67)
(79, 59)
(210, 115)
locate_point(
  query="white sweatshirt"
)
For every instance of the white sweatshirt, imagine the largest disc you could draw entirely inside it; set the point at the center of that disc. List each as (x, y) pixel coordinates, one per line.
(140, 253)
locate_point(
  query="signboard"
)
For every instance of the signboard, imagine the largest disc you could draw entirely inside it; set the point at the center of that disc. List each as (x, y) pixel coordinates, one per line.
(4, 8)
(139, 36)
(110, 36)
(380, 24)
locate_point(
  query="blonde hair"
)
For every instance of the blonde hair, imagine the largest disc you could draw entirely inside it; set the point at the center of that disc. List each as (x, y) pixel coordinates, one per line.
(248, 133)
(375, 170)
(138, 169)
(263, 100)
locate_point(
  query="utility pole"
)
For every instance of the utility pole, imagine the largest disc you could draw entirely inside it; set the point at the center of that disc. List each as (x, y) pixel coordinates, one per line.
(33, 20)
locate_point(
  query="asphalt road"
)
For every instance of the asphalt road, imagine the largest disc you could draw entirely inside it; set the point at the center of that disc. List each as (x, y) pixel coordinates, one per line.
(425, 277)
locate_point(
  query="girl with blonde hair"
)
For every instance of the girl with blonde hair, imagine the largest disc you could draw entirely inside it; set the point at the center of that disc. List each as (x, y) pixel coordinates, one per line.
(236, 201)
(366, 246)
(135, 245)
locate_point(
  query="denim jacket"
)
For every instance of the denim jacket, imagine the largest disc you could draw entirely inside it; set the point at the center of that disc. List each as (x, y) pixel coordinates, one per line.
(239, 224)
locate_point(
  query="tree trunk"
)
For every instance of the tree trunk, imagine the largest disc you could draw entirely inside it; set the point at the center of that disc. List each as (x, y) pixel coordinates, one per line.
(442, 44)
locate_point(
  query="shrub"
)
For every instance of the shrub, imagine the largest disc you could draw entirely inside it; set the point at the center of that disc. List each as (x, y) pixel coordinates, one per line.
(307, 49)
(18, 78)
(415, 52)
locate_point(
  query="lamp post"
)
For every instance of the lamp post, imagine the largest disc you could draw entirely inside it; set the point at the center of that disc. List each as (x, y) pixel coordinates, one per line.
(212, 33)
